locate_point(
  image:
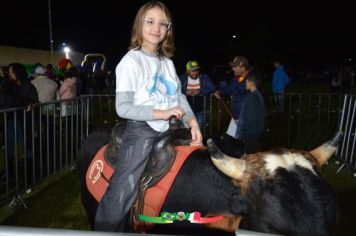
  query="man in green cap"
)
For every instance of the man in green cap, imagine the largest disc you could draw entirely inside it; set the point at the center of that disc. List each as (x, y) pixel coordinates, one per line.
(196, 85)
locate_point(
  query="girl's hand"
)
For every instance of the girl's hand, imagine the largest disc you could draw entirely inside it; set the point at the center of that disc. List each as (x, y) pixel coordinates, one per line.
(166, 114)
(197, 137)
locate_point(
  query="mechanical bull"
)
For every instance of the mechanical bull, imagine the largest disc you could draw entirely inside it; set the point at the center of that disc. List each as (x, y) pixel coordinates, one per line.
(279, 191)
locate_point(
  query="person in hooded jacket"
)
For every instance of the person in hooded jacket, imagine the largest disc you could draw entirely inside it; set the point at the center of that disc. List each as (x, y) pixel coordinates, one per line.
(279, 82)
(68, 90)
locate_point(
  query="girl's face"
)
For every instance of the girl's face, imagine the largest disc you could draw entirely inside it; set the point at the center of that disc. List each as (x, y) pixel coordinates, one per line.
(154, 29)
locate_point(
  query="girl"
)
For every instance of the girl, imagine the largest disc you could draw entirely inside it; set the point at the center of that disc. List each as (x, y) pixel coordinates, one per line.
(148, 93)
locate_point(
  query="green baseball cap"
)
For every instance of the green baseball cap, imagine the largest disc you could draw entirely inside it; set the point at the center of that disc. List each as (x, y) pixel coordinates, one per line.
(192, 65)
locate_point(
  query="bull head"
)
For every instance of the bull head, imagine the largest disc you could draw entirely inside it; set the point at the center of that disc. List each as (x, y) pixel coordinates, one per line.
(326, 150)
(228, 165)
(235, 168)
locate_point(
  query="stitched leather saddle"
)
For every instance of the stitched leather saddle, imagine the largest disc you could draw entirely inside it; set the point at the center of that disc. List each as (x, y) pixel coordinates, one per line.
(163, 152)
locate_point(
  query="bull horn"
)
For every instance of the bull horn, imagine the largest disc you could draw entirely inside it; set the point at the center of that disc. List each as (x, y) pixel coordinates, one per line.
(228, 165)
(326, 150)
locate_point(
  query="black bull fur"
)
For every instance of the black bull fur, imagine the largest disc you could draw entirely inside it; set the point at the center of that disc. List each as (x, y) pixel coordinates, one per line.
(295, 202)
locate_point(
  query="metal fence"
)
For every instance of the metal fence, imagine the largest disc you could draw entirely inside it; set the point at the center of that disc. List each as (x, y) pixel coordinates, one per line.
(306, 121)
(346, 151)
(40, 142)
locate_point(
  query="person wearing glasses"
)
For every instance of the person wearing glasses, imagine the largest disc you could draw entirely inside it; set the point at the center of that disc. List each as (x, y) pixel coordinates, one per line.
(148, 93)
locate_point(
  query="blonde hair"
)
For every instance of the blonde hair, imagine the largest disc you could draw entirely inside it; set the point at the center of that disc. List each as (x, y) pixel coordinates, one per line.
(166, 47)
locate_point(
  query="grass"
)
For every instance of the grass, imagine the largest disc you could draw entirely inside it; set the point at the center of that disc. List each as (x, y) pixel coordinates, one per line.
(345, 185)
(56, 203)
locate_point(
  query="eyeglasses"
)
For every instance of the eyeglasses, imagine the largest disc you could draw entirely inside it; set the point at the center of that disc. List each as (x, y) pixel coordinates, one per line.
(162, 25)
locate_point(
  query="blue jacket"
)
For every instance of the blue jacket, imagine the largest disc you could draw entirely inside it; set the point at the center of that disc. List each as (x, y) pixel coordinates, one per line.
(280, 80)
(206, 87)
(252, 116)
(238, 92)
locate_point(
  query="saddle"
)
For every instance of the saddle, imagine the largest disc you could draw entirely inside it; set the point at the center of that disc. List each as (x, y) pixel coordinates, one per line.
(161, 159)
(112, 150)
(162, 155)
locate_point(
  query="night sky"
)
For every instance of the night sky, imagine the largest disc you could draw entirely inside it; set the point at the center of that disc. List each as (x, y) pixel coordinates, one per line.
(298, 33)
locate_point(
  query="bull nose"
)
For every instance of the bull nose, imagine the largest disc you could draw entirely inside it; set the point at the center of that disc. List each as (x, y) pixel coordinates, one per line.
(214, 150)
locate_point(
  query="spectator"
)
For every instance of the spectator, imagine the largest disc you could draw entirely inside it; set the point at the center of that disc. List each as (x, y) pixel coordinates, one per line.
(78, 80)
(194, 84)
(49, 72)
(47, 90)
(64, 64)
(17, 91)
(251, 121)
(37, 64)
(68, 90)
(279, 82)
(236, 89)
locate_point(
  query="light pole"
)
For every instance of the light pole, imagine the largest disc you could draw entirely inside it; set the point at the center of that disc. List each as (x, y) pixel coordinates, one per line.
(50, 29)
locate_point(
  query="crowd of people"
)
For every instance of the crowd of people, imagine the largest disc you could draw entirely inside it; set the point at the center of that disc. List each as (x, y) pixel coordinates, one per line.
(28, 88)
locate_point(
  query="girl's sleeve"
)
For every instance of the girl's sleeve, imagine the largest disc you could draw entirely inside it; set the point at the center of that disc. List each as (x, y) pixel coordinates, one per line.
(126, 82)
(126, 109)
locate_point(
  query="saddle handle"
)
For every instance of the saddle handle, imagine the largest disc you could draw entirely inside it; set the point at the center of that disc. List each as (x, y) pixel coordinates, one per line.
(174, 123)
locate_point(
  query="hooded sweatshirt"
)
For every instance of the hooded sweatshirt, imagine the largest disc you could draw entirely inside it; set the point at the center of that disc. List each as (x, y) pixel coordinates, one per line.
(68, 89)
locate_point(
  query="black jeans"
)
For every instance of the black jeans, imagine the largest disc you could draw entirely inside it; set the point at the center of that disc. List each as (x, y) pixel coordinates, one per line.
(121, 193)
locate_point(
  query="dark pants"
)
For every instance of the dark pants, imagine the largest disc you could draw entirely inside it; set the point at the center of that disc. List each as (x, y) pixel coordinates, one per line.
(200, 118)
(252, 145)
(121, 193)
(14, 139)
(279, 101)
(12, 136)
